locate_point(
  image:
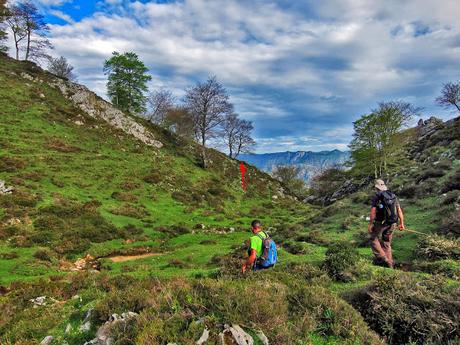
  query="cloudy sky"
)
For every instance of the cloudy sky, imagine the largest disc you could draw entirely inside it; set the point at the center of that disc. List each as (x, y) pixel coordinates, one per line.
(302, 71)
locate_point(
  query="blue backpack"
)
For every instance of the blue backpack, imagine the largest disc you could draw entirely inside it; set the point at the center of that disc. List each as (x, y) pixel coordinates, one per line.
(269, 255)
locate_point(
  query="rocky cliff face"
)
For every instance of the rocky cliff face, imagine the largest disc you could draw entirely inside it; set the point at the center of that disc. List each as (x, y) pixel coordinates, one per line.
(95, 107)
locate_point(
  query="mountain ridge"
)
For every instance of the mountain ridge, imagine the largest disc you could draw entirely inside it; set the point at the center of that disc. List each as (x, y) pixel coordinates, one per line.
(308, 162)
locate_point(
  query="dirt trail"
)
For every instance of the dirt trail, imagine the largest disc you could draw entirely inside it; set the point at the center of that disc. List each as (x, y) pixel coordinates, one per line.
(123, 258)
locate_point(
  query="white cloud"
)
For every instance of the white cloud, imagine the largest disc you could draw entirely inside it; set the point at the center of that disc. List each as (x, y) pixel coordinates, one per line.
(62, 15)
(339, 60)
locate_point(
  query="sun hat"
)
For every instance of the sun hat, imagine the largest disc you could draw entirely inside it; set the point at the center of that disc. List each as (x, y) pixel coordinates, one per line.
(380, 185)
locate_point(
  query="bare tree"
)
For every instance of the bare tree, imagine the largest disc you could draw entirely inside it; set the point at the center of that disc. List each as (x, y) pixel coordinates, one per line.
(160, 102)
(237, 135)
(61, 68)
(450, 96)
(207, 103)
(29, 31)
(179, 121)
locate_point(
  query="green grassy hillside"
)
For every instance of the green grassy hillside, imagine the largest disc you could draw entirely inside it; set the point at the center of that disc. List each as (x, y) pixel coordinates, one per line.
(101, 223)
(82, 187)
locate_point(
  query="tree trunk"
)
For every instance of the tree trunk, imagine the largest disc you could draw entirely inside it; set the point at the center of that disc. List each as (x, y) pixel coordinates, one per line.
(28, 45)
(16, 44)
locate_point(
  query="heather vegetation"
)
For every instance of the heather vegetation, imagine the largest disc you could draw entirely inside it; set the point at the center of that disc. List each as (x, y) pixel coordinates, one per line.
(100, 223)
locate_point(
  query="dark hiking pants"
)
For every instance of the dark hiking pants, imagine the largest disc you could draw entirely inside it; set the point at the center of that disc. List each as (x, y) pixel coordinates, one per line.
(381, 237)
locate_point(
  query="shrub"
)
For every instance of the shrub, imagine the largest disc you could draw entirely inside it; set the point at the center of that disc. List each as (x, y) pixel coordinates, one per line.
(174, 230)
(328, 315)
(361, 198)
(444, 164)
(451, 225)
(448, 268)
(124, 196)
(11, 164)
(295, 247)
(340, 259)
(314, 237)
(60, 145)
(437, 247)
(154, 177)
(348, 222)
(178, 263)
(9, 256)
(284, 232)
(430, 173)
(43, 255)
(129, 231)
(72, 226)
(453, 182)
(451, 197)
(361, 239)
(406, 310)
(408, 191)
(127, 210)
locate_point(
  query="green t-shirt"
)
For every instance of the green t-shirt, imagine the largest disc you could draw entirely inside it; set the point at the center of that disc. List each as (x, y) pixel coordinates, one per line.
(256, 243)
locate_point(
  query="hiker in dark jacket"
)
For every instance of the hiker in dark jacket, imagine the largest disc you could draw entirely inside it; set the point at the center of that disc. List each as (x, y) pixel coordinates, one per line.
(385, 214)
(256, 249)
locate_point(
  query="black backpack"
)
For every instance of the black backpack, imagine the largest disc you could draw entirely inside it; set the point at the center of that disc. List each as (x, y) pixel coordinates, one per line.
(388, 205)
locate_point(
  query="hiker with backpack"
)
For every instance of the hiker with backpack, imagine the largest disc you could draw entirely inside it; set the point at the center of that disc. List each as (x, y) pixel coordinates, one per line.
(262, 251)
(386, 212)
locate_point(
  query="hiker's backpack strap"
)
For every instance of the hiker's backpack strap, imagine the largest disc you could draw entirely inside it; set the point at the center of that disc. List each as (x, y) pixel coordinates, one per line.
(262, 238)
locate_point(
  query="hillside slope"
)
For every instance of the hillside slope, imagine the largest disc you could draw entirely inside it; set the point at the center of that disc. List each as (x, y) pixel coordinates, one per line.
(111, 232)
(88, 179)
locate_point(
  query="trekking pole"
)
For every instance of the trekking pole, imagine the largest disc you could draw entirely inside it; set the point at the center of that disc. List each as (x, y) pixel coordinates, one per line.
(416, 232)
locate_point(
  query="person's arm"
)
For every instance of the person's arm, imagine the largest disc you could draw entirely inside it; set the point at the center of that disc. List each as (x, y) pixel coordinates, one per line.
(372, 218)
(249, 261)
(401, 218)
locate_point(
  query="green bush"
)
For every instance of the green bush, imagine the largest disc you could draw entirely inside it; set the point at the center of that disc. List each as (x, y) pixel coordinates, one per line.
(70, 227)
(451, 224)
(451, 197)
(452, 183)
(430, 173)
(448, 268)
(408, 191)
(340, 259)
(314, 237)
(437, 247)
(406, 310)
(295, 247)
(328, 315)
(43, 255)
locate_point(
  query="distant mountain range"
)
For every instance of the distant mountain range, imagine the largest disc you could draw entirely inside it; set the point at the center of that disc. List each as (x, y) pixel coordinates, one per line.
(310, 163)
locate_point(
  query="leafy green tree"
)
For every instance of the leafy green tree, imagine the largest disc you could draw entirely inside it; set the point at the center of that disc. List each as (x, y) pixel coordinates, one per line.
(127, 81)
(289, 176)
(375, 142)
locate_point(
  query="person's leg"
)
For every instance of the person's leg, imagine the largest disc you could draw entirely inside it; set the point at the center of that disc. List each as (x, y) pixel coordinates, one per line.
(376, 246)
(387, 236)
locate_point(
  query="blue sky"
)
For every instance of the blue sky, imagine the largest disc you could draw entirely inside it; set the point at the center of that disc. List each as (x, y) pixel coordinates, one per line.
(302, 71)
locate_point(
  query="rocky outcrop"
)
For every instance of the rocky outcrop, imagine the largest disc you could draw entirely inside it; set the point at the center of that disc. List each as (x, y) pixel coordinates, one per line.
(96, 107)
(4, 189)
(48, 340)
(347, 188)
(104, 333)
(428, 127)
